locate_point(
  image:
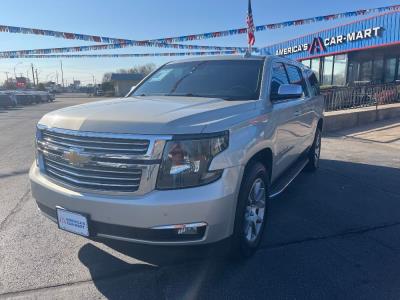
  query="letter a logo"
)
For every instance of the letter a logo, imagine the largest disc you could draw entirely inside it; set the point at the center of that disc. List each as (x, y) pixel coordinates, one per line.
(317, 46)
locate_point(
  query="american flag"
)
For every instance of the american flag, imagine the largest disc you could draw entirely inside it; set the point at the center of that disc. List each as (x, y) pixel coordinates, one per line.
(250, 26)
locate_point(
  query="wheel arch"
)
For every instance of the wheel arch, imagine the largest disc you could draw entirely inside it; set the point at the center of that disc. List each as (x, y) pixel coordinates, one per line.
(320, 124)
(265, 157)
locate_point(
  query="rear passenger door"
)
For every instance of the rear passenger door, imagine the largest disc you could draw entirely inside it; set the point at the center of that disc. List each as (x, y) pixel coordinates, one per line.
(304, 109)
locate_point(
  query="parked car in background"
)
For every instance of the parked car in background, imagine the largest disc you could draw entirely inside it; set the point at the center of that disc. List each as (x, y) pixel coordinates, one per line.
(7, 100)
(52, 96)
(191, 157)
(23, 98)
(44, 96)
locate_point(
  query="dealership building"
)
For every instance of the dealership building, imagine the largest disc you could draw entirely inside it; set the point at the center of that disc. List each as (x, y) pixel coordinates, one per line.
(361, 52)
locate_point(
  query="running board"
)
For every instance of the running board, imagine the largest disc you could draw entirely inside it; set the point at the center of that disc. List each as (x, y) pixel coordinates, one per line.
(287, 177)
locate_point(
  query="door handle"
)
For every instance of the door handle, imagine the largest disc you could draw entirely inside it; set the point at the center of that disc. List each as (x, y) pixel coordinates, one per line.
(297, 113)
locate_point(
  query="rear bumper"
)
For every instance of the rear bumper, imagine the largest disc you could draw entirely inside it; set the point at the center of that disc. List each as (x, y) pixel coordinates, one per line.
(132, 218)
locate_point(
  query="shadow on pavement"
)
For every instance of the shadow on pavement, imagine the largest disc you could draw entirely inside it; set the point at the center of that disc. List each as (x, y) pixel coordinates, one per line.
(316, 244)
(14, 173)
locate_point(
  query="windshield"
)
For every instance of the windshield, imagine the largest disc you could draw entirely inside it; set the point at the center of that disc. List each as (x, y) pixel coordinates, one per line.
(226, 79)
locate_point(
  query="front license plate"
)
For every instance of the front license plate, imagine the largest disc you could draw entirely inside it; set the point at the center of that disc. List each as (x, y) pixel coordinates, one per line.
(72, 222)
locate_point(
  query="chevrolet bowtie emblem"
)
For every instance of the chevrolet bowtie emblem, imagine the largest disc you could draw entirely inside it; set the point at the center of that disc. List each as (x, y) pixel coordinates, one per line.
(75, 157)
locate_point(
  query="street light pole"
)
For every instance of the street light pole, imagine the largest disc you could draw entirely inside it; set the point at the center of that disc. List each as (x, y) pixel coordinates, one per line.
(62, 73)
(15, 73)
(33, 75)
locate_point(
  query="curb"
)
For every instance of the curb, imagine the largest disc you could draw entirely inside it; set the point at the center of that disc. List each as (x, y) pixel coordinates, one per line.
(340, 120)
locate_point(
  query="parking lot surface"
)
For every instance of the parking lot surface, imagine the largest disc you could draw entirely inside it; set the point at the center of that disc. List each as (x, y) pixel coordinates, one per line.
(332, 234)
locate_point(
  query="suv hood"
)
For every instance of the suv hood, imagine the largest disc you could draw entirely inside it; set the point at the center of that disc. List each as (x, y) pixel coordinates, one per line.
(151, 115)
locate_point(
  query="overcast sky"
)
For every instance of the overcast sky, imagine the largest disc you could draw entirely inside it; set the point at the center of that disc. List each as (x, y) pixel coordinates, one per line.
(147, 19)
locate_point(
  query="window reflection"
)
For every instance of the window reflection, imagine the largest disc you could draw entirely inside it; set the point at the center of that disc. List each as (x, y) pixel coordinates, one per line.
(339, 70)
(327, 74)
(390, 70)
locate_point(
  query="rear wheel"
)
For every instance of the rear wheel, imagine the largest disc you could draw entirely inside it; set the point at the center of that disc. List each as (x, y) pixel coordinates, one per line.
(251, 211)
(314, 152)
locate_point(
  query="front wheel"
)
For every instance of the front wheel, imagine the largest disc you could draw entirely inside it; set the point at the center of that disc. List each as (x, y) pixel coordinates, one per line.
(251, 211)
(314, 152)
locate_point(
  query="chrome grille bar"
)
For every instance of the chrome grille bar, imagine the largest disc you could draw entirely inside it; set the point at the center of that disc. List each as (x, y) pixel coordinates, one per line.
(74, 174)
(104, 162)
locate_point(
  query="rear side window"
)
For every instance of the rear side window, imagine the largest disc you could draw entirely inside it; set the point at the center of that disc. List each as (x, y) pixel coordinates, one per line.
(314, 83)
(296, 77)
(279, 77)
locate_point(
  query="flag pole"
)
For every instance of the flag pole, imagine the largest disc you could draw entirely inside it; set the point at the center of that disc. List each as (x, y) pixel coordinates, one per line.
(250, 29)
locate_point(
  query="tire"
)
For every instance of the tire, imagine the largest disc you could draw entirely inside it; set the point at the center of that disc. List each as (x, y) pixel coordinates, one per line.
(314, 152)
(247, 235)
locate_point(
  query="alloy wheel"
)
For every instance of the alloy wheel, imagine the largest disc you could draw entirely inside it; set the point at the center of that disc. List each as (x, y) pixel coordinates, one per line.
(255, 210)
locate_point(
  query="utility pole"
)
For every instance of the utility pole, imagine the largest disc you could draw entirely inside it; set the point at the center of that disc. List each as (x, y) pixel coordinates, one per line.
(33, 75)
(62, 73)
(6, 75)
(57, 77)
(37, 78)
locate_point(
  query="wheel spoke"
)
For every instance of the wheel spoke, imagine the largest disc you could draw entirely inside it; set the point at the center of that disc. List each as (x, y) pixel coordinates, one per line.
(254, 211)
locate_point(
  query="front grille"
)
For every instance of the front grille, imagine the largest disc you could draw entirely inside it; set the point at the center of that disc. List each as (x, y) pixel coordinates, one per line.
(92, 161)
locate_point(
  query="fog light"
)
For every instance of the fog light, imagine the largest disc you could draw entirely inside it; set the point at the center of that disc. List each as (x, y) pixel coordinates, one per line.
(185, 229)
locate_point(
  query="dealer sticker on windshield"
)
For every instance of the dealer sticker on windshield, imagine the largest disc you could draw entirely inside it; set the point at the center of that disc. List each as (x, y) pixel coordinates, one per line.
(72, 222)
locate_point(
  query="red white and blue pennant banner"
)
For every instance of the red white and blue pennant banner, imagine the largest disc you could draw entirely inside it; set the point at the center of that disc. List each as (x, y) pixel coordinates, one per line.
(192, 37)
(111, 46)
(170, 42)
(126, 55)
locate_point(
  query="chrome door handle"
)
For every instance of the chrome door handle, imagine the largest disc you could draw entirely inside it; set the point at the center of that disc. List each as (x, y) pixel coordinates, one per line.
(297, 113)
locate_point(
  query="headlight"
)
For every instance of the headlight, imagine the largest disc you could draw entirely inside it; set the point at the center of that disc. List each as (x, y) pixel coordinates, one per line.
(185, 162)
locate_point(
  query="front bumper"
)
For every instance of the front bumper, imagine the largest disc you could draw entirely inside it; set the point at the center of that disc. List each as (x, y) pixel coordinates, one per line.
(132, 218)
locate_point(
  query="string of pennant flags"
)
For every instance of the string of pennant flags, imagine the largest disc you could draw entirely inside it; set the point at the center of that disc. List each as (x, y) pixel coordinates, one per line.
(111, 46)
(125, 55)
(169, 42)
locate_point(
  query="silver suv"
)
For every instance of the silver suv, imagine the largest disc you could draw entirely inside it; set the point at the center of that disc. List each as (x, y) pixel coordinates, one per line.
(191, 156)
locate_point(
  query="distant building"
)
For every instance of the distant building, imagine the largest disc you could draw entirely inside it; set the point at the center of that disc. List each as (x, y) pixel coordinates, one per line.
(22, 82)
(123, 82)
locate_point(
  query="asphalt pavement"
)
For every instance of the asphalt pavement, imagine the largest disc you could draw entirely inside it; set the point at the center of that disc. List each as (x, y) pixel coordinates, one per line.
(333, 234)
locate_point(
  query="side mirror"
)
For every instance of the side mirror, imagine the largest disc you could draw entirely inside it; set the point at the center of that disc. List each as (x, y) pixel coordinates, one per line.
(289, 91)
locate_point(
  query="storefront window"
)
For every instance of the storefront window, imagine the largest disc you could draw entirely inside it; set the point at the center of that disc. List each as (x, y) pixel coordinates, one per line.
(315, 66)
(390, 70)
(307, 63)
(327, 73)
(366, 70)
(339, 70)
(354, 71)
(378, 70)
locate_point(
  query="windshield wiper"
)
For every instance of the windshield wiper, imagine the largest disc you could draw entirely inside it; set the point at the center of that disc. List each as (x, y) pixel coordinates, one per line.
(188, 95)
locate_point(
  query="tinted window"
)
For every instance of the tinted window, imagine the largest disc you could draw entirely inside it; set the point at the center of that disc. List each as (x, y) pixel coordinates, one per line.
(312, 79)
(227, 79)
(279, 77)
(296, 77)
